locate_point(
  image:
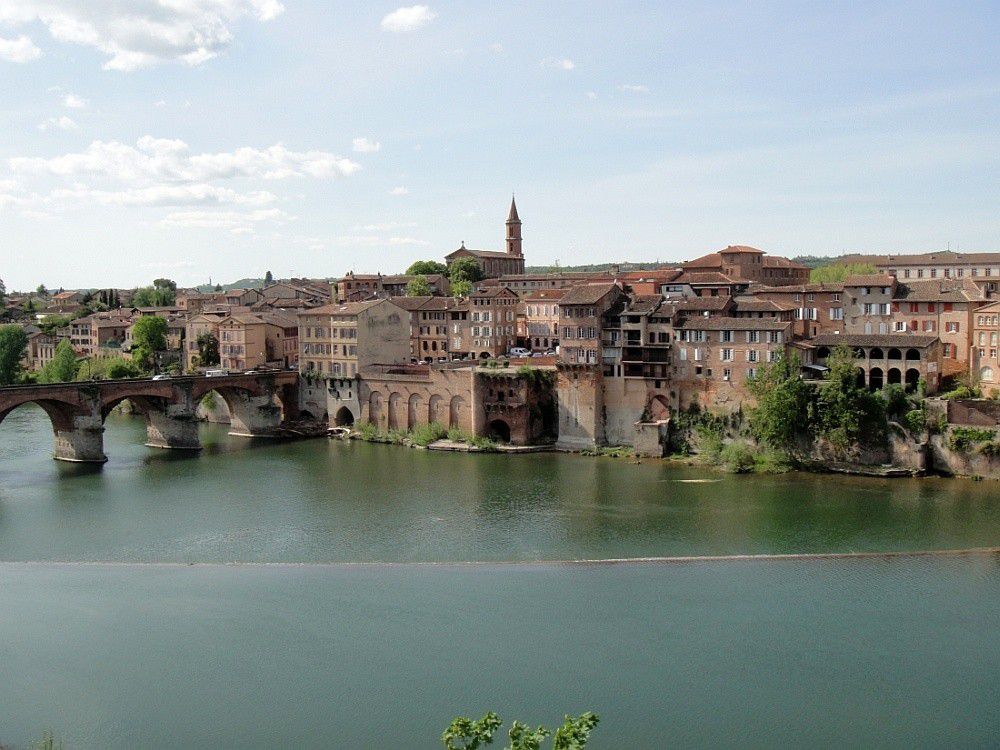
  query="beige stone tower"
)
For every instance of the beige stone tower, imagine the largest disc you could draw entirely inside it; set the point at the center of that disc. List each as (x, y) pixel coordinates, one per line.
(513, 231)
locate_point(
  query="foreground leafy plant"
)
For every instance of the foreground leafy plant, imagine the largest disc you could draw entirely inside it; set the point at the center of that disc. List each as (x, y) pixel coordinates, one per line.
(572, 735)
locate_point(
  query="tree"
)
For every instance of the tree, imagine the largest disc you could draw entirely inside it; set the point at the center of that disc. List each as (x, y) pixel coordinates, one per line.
(572, 735)
(425, 267)
(117, 368)
(165, 284)
(62, 367)
(846, 412)
(154, 296)
(13, 341)
(471, 733)
(268, 278)
(781, 415)
(53, 322)
(218, 288)
(465, 269)
(418, 287)
(834, 273)
(461, 288)
(208, 349)
(42, 291)
(149, 335)
(575, 732)
(3, 292)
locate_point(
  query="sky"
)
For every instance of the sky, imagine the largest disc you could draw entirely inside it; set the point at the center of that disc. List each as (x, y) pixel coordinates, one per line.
(220, 139)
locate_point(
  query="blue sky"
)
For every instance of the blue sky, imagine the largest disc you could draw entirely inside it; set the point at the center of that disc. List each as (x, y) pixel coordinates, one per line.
(222, 138)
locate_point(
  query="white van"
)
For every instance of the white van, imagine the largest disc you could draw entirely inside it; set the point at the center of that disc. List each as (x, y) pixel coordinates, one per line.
(519, 351)
(216, 373)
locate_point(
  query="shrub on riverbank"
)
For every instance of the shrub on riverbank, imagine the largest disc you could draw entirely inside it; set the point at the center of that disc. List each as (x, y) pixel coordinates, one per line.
(422, 435)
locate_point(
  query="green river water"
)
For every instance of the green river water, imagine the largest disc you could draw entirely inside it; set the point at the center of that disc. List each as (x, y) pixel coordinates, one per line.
(381, 591)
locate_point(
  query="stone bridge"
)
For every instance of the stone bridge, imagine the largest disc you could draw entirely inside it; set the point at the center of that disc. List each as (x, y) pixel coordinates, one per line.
(258, 403)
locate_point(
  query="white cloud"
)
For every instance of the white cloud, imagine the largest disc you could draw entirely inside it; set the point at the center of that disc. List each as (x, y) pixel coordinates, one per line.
(140, 33)
(401, 190)
(558, 63)
(72, 101)
(365, 146)
(591, 94)
(20, 50)
(161, 195)
(407, 241)
(62, 123)
(634, 88)
(163, 160)
(237, 222)
(160, 104)
(386, 227)
(497, 47)
(410, 18)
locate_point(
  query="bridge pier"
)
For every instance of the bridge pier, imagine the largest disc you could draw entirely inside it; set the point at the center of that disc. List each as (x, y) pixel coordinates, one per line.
(175, 428)
(83, 442)
(252, 416)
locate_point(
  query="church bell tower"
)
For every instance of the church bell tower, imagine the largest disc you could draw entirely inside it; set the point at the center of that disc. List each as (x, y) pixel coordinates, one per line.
(513, 231)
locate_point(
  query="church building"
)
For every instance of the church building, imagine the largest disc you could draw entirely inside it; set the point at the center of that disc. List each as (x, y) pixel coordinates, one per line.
(495, 264)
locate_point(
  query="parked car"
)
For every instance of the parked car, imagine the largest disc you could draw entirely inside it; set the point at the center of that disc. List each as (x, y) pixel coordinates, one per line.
(216, 373)
(161, 377)
(519, 351)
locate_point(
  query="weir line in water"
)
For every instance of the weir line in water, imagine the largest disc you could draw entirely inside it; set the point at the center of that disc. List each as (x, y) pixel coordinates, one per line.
(972, 551)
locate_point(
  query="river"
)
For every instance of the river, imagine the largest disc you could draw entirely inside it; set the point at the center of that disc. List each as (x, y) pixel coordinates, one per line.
(379, 591)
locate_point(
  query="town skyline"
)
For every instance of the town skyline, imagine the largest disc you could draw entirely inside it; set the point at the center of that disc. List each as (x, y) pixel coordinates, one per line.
(381, 134)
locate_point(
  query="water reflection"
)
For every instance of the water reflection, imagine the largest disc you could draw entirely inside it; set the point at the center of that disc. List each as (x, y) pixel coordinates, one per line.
(246, 499)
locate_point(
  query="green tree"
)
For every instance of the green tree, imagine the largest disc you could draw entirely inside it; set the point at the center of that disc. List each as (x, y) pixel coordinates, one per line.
(847, 413)
(268, 278)
(425, 267)
(3, 292)
(149, 335)
(781, 415)
(465, 269)
(154, 296)
(834, 273)
(471, 733)
(208, 349)
(575, 732)
(62, 367)
(461, 288)
(42, 291)
(418, 287)
(572, 735)
(53, 323)
(118, 368)
(13, 341)
(523, 737)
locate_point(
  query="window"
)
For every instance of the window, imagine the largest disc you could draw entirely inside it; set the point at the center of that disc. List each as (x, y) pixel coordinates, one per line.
(725, 337)
(752, 355)
(727, 374)
(727, 355)
(836, 313)
(753, 337)
(951, 327)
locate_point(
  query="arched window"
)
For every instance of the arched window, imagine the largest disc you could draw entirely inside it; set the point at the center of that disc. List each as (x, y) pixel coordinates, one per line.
(986, 374)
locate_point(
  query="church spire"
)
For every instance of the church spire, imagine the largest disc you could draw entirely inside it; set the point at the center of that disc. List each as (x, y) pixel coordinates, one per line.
(513, 230)
(512, 214)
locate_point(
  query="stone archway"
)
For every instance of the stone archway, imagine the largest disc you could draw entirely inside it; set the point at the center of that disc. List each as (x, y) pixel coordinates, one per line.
(498, 430)
(344, 417)
(414, 406)
(895, 376)
(434, 408)
(375, 408)
(455, 411)
(912, 379)
(875, 379)
(395, 406)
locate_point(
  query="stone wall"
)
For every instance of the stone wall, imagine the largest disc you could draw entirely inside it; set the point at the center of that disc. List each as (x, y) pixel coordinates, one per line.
(579, 390)
(974, 412)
